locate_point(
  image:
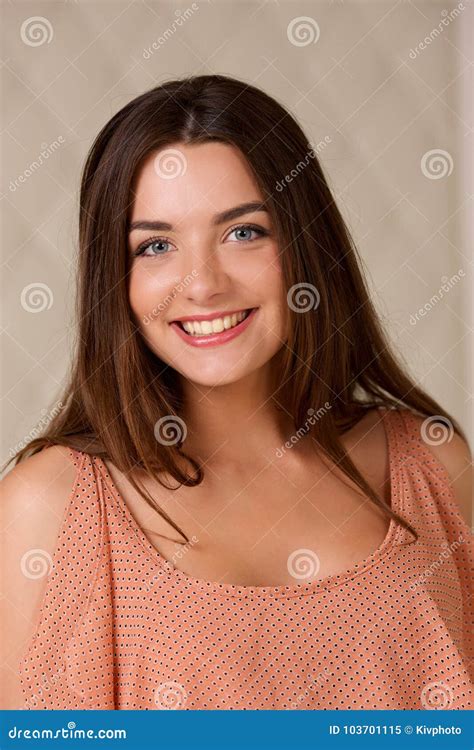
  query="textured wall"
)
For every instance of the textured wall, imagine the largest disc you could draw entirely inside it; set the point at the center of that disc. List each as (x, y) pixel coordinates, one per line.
(385, 83)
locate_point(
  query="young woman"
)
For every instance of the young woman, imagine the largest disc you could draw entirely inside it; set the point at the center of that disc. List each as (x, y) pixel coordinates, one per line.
(244, 501)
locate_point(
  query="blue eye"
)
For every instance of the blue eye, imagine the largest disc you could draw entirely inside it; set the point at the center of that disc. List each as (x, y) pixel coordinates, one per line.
(249, 228)
(149, 244)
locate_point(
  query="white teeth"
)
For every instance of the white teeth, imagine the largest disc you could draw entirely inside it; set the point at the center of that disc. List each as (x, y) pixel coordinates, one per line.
(217, 325)
(205, 327)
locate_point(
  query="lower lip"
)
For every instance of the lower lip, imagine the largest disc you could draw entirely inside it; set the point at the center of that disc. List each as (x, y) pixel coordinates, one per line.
(215, 338)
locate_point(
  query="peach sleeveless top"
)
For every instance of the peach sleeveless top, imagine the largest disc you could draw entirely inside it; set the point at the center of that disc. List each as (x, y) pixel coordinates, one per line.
(121, 628)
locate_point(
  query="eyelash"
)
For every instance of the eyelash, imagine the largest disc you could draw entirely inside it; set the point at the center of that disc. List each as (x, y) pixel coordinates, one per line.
(259, 230)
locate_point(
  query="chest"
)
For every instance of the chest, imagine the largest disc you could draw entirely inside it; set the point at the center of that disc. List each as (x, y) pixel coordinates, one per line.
(277, 529)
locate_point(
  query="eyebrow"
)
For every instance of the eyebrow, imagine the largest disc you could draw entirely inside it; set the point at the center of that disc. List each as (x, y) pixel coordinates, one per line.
(228, 215)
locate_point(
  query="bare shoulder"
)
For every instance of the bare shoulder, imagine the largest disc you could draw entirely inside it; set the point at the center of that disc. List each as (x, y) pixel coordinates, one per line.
(455, 455)
(368, 446)
(34, 496)
(38, 486)
(47, 466)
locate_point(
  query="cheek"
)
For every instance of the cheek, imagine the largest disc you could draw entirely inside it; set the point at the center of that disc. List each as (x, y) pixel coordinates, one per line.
(148, 290)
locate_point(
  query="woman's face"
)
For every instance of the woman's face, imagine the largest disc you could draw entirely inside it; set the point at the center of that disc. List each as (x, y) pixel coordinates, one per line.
(204, 266)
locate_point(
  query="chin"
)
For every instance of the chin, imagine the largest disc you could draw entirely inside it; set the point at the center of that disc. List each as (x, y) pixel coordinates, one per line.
(215, 374)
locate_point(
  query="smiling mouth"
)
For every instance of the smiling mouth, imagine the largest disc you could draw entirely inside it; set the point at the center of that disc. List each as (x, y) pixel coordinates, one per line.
(196, 328)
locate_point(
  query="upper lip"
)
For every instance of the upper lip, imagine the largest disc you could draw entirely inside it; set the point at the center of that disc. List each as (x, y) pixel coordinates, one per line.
(210, 316)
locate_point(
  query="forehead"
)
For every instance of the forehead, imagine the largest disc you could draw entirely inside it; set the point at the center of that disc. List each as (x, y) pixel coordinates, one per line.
(189, 180)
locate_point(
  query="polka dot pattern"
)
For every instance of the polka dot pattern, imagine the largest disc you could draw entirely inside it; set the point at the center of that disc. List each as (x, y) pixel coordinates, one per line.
(121, 628)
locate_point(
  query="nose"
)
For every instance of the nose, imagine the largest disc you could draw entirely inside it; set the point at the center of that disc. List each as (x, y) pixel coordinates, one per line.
(205, 278)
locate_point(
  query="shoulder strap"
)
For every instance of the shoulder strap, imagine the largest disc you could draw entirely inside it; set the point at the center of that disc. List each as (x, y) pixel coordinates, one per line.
(419, 433)
(425, 481)
(78, 458)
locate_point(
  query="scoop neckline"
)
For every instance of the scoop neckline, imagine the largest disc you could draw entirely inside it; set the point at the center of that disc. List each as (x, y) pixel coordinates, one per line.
(318, 585)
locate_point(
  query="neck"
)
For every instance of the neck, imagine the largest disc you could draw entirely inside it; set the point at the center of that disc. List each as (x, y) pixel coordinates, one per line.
(236, 423)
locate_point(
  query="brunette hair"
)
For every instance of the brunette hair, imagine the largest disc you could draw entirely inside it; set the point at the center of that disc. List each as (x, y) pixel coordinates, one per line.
(337, 354)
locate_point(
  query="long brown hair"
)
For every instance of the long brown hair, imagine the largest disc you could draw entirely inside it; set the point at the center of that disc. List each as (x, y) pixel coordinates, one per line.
(336, 354)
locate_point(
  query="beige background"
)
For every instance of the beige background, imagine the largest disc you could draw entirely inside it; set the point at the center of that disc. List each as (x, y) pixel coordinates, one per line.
(355, 82)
